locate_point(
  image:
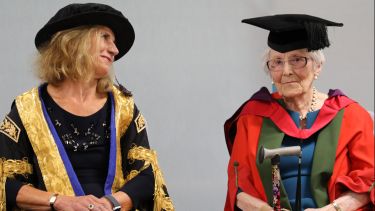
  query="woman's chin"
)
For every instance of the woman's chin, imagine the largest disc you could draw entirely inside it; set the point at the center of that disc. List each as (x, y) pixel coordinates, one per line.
(101, 74)
(290, 90)
(290, 93)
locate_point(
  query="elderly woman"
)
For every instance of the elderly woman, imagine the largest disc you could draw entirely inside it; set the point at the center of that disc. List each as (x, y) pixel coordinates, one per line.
(333, 131)
(78, 142)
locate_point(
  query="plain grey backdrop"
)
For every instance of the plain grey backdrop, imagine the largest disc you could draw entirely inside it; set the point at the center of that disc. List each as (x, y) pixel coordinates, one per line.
(192, 64)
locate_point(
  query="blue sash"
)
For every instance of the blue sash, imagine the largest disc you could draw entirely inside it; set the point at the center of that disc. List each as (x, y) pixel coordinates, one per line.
(68, 166)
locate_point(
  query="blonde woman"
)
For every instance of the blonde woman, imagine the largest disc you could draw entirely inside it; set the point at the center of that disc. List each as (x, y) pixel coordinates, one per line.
(78, 142)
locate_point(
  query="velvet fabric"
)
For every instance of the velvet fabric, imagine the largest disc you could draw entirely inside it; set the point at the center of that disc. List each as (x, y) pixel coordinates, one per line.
(74, 15)
(294, 31)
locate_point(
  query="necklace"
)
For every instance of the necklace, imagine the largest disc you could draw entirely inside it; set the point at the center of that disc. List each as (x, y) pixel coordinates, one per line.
(312, 104)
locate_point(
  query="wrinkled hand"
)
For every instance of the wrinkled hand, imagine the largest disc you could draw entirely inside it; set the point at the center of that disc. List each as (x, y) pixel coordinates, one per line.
(247, 202)
(328, 207)
(349, 201)
(80, 203)
(107, 204)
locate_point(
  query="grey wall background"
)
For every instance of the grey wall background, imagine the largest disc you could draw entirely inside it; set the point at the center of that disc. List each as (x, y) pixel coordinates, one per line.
(192, 64)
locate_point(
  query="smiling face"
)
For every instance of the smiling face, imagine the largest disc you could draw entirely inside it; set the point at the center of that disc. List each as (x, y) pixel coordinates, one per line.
(104, 51)
(294, 73)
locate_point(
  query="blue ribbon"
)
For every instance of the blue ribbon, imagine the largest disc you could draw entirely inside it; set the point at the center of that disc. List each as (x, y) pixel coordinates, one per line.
(78, 190)
(112, 151)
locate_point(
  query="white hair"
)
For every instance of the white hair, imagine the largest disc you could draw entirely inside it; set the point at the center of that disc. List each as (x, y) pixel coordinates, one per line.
(316, 56)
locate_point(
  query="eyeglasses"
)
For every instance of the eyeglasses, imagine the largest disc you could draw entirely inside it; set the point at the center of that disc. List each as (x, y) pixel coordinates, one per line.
(277, 65)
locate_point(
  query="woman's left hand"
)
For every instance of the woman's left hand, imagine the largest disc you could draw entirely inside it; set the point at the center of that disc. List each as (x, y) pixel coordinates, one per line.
(106, 203)
(124, 200)
(349, 201)
(328, 207)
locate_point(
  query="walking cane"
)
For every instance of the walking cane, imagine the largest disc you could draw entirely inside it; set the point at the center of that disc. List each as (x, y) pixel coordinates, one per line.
(274, 155)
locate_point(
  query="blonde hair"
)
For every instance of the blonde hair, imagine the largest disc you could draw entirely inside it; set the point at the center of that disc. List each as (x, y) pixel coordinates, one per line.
(68, 56)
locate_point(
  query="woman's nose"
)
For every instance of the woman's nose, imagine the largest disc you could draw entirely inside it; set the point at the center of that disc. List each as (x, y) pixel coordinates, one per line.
(113, 49)
(287, 68)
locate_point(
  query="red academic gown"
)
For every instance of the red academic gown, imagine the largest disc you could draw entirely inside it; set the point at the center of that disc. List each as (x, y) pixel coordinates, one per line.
(352, 164)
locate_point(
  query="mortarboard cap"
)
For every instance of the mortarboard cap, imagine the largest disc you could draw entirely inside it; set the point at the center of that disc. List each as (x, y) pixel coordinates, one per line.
(294, 31)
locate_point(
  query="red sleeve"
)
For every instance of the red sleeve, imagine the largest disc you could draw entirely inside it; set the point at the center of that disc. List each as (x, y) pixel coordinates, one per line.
(354, 166)
(244, 152)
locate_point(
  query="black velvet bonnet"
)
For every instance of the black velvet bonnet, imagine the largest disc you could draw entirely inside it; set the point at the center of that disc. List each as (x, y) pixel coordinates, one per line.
(74, 15)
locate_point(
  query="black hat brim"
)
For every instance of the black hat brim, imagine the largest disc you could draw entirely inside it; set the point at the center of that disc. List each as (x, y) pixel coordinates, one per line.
(121, 27)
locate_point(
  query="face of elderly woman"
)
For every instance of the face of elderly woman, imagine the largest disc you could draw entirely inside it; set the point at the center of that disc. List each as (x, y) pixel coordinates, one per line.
(292, 72)
(104, 51)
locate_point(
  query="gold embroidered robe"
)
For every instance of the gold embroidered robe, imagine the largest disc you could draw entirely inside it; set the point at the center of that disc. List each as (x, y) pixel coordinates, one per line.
(28, 152)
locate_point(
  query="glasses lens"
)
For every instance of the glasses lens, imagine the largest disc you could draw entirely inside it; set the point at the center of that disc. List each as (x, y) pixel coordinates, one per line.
(275, 64)
(298, 62)
(278, 64)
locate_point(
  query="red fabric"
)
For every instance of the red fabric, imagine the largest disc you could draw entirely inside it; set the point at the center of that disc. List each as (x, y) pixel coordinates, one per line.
(354, 165)
(248, 128)
(283, 120)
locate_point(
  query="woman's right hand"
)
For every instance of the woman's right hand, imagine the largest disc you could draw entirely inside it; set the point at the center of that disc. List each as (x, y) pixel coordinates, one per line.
(247, 202)
(79, 203)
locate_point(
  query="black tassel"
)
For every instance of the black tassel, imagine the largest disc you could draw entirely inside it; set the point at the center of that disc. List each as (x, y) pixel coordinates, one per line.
(124, 90)
(316, 35)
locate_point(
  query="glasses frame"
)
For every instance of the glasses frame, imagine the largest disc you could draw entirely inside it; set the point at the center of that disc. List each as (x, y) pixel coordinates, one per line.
(289, 62)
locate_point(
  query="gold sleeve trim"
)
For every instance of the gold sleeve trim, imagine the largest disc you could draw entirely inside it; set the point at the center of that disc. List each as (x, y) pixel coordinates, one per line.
(8, 168)
(140, 123)
(10, 129)
(161, 200)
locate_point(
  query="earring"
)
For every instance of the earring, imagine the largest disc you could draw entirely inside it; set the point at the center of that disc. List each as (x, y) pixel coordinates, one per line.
(315, 77)
(272, 82)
